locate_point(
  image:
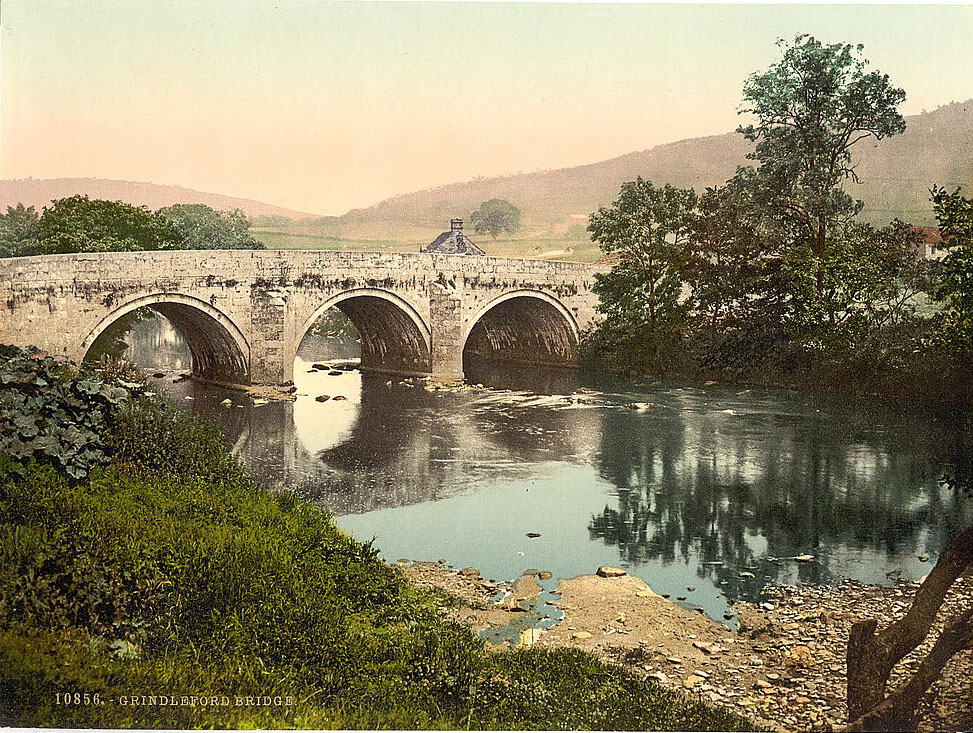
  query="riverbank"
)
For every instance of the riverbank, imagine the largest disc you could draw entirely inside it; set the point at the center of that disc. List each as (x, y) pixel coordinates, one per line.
(164, 588)
(784, 667)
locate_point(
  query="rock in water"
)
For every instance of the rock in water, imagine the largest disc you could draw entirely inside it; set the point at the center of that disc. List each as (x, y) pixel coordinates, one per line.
(339, 397)
(322, 398)
(532, 535)
(607, 571)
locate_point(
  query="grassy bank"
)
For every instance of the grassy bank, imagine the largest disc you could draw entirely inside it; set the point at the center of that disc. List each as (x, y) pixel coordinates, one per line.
(165, 571)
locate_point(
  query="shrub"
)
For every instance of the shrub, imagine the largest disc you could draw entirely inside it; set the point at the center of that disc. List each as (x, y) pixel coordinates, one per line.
(49, 416)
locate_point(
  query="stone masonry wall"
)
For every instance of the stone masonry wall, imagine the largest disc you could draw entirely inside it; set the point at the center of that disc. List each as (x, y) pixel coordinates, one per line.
(263, 302)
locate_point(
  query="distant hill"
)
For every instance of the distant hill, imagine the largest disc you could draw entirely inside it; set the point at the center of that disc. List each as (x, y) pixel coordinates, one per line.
(39, 192)
(896, 173)
(935, 149)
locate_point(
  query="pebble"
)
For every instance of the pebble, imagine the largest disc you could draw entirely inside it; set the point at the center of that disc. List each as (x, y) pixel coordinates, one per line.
(581, 635)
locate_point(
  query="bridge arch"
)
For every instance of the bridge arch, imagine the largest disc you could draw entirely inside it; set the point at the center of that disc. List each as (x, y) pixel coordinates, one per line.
(523, 326)
(220, 352)
(394, 335)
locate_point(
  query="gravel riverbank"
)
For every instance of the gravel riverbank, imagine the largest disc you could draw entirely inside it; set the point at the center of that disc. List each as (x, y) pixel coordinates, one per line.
(784, 668)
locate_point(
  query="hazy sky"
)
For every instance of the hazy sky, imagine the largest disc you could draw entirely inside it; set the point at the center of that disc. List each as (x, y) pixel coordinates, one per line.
(323, 106)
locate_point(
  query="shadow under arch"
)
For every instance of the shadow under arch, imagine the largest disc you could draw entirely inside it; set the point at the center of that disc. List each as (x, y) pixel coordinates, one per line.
(524, 327)
(394, 336)
(220, 352)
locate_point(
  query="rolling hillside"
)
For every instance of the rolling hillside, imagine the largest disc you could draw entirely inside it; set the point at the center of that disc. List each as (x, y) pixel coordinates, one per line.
(936, 148)
(896, 173)
(39, 192)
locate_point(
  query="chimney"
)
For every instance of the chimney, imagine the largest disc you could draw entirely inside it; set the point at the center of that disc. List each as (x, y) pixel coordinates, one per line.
(456, 225)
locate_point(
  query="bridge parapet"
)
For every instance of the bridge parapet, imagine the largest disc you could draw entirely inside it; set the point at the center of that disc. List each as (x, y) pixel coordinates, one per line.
(244, 313)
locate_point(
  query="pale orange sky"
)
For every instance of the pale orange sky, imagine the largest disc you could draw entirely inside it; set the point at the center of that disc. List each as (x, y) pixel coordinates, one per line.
(323, 106)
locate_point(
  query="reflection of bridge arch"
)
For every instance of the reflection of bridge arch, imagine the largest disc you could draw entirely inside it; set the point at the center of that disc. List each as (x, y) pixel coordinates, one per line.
(394, 336)
(219, 349)
(528, 326)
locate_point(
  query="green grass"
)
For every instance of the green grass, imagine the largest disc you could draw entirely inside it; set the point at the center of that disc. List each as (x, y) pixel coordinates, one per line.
(302, 236)
(170, 572)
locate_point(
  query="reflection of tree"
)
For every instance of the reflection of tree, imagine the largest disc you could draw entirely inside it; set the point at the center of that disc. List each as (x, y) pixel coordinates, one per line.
(112, 341)
(743, 488)
(145, 338)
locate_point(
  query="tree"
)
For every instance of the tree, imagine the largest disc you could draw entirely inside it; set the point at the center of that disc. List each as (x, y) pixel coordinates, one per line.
(870, 278)
(727, 260)
(17, 231)
(80, 224)
(201, 227)
(812, 107)
(733, 270)
(954, 213)
(495, 217)
(872, 656)
(643, 230)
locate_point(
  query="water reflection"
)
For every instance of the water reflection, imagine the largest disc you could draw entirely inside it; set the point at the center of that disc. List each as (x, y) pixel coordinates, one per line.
(711, 488)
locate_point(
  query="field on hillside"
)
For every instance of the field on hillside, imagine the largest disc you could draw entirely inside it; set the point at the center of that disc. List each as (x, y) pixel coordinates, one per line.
(547, 247)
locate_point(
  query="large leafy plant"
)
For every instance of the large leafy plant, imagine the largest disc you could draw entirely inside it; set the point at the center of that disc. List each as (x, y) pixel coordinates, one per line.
(52, 415)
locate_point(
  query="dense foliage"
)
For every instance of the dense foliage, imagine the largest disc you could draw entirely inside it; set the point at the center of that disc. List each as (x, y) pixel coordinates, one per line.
(17, 231)
(495, 217)
(169, 572)
(51, 417)
(772, 277)
(81, 224)
(201, 227)
(955, 287)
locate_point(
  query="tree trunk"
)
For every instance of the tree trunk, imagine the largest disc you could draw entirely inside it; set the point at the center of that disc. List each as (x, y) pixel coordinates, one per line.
(897, 711)
(871, 657)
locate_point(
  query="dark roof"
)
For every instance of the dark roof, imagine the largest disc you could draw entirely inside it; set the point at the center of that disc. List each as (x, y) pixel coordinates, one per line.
(930, 235)
(453, 242)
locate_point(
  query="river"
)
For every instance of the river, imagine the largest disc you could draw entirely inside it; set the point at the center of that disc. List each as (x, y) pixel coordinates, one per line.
(705, 492)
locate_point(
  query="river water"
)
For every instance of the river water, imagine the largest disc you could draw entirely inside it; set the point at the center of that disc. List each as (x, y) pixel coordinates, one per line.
(704, 492)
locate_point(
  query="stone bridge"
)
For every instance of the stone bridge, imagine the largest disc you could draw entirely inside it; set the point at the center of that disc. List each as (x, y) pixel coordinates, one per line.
(244, 314)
